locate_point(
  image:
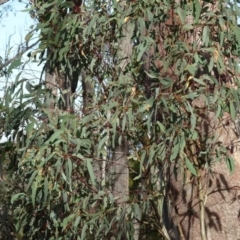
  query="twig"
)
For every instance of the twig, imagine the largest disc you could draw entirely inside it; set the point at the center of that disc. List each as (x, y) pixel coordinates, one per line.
(18, 54)
(3, 1)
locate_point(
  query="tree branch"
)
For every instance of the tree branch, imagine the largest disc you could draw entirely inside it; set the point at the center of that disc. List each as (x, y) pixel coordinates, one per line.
(3, 1)
(6, 63)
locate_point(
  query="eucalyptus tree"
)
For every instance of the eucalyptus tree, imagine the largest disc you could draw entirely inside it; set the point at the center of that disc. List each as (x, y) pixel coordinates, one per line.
(155, 119)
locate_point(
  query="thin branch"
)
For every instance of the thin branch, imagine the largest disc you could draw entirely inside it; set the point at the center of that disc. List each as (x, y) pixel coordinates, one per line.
(3, 1)
(18, 54)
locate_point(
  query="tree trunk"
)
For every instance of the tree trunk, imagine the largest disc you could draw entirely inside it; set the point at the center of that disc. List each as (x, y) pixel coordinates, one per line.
(119, 160)
(88, 93)
(119, 157)
(52, 86)
(3, 1)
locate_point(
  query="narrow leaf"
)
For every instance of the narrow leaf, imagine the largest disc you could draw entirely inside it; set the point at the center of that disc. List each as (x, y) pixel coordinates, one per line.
(191, 167)
(90, 171)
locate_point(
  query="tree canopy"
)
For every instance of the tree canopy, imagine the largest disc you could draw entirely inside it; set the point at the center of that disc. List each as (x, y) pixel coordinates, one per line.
(155, 81)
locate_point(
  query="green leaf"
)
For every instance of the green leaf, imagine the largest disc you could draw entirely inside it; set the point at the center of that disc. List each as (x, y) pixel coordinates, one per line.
(197, 11)
(147, 105)
(69, 169)
(150, 15)
(151, 75)
(187, 27)
(205, 36)
(28, 36)
(29, 86)
(29, 128)
(101, 143)
(14, 64)
(190, 167)
(152, 154)
(175, 150)
(143, 157)
(142, 26)
(182, 15)
(142, 49)
(67, 220)
(45, 191)
(34, 174)
(83, 232)
(91, 172)
(124, 122)
(221, 38)
(137, 211)
(65, 200)
(55, 136)
(17, 196)
(161, 126)
(200, 81)
(193, 121)
(219, 111)
(192, 69)
(76, 223)
(237, 34)
(34, 191)
(230, 164)
(210, 65)
(93, 62)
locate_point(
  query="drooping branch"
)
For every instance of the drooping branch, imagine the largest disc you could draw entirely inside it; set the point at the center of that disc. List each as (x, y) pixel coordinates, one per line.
(3, 1)
(9, 61)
